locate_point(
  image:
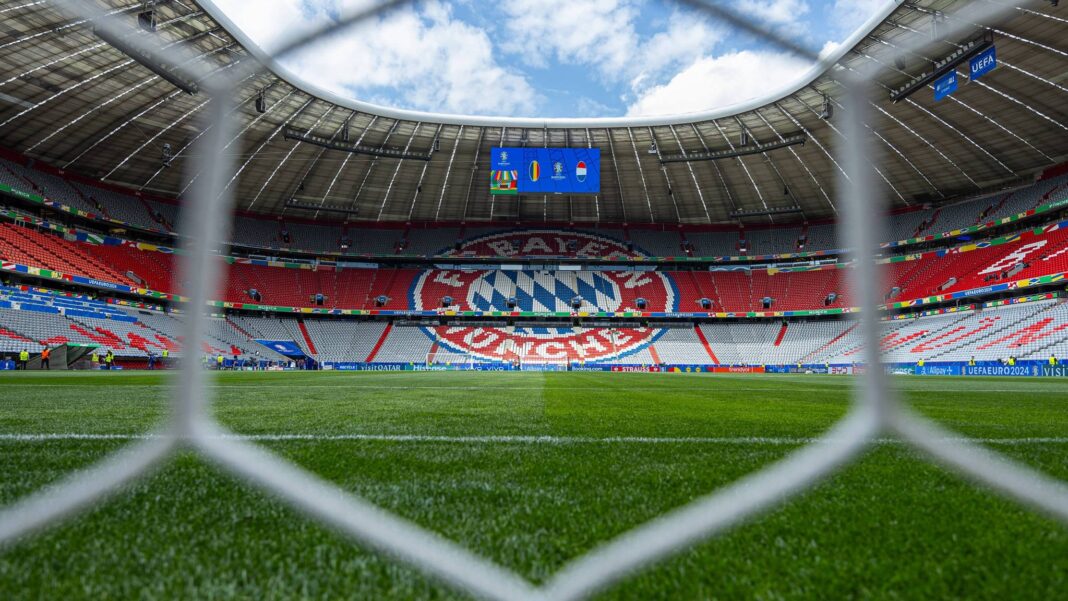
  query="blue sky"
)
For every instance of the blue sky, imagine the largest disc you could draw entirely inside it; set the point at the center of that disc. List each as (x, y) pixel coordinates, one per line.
(537, 58)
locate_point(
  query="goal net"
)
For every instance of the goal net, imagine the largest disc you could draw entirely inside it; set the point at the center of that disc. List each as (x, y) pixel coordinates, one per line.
(450, 360)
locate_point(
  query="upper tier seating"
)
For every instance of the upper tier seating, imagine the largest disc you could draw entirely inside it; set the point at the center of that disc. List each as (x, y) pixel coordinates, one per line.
(265, 232)
(45, 250)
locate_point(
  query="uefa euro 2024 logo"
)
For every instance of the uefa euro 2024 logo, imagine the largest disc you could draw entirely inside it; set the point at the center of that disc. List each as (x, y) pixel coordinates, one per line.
(558, 170)
(503, 157)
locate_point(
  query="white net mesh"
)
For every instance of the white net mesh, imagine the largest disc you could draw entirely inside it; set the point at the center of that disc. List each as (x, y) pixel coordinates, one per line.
(875, 409)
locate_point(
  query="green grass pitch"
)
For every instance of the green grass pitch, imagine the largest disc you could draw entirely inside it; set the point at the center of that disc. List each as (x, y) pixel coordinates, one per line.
(890, 526)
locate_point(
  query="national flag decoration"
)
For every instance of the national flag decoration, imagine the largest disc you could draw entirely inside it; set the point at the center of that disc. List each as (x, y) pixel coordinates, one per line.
(503, 181)
(534, 171)
(580, 171)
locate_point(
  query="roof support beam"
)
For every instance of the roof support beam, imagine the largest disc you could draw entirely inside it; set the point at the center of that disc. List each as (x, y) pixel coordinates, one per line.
(804, 166)
(619, 181)
(396, 170)
(236, 137)
(770, 211)
(448, 172)
(667, 179)
(98, 139)
(345, 162)
(371, 166)
(285, 159)
(155, 137)
(693, 176)
(719, 172)
(296, 113)
(298, 182)
(745, 168)
(641, 174)
(474, 168)
(66, 26)
(596, 197)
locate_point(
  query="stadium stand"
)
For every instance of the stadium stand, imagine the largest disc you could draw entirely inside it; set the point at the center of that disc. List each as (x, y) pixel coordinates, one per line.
(266, 232)
(974, 266)
(33, 319)
(1023, 331)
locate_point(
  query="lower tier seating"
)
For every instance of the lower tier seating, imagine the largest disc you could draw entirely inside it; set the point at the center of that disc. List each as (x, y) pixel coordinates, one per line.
(31, 319)
(944, 272)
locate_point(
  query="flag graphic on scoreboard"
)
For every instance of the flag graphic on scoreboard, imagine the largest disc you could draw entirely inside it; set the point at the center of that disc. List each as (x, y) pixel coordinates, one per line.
(535, 171)
(503, 181)
(580, 171)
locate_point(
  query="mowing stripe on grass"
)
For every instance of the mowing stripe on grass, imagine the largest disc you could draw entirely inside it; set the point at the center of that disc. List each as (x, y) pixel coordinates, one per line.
(521, 439)
(828, 388)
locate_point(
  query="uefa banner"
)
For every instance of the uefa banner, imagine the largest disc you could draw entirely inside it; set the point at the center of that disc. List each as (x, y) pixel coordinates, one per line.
(1022, 368)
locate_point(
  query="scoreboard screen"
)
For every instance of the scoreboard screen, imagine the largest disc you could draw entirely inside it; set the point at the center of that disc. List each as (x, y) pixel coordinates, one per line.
(545, 171)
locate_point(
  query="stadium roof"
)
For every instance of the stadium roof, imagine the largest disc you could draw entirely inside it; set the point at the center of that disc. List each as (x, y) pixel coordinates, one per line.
(74, 101)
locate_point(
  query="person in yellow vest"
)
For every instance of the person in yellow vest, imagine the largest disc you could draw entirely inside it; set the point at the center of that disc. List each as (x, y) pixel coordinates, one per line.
(919, 363)
(1052, 360)
(1012, 361)
(971, 362)
(109, 359)
(219, 362)
(46, 354)
(166, 355)
(94, 360)
(24, 358)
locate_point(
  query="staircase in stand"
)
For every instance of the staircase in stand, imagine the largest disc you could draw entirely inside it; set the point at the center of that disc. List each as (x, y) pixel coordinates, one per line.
(378, 345)
(307, 337)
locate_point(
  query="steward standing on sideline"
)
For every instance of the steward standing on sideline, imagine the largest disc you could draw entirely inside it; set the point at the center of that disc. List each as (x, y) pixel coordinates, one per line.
(24, 357)
(46, 354)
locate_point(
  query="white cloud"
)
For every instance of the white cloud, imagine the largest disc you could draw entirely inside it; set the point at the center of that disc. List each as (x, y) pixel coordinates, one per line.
(588, 107)
(720, 81)
(848, 15)
(427, 58)
(603, 35)
(590, 32)
(423, 59)
(776, 12)
(684, 40)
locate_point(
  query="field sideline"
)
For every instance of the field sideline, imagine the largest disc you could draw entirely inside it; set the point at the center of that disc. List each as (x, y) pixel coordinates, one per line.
(532, 469)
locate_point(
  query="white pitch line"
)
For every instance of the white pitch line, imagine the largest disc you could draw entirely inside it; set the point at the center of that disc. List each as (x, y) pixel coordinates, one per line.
(520, 439)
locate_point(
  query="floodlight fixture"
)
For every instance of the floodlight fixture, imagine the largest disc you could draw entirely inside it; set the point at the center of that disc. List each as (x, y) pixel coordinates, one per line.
(146, 19)
(155, 61)
(827, 111)
(729, 153)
